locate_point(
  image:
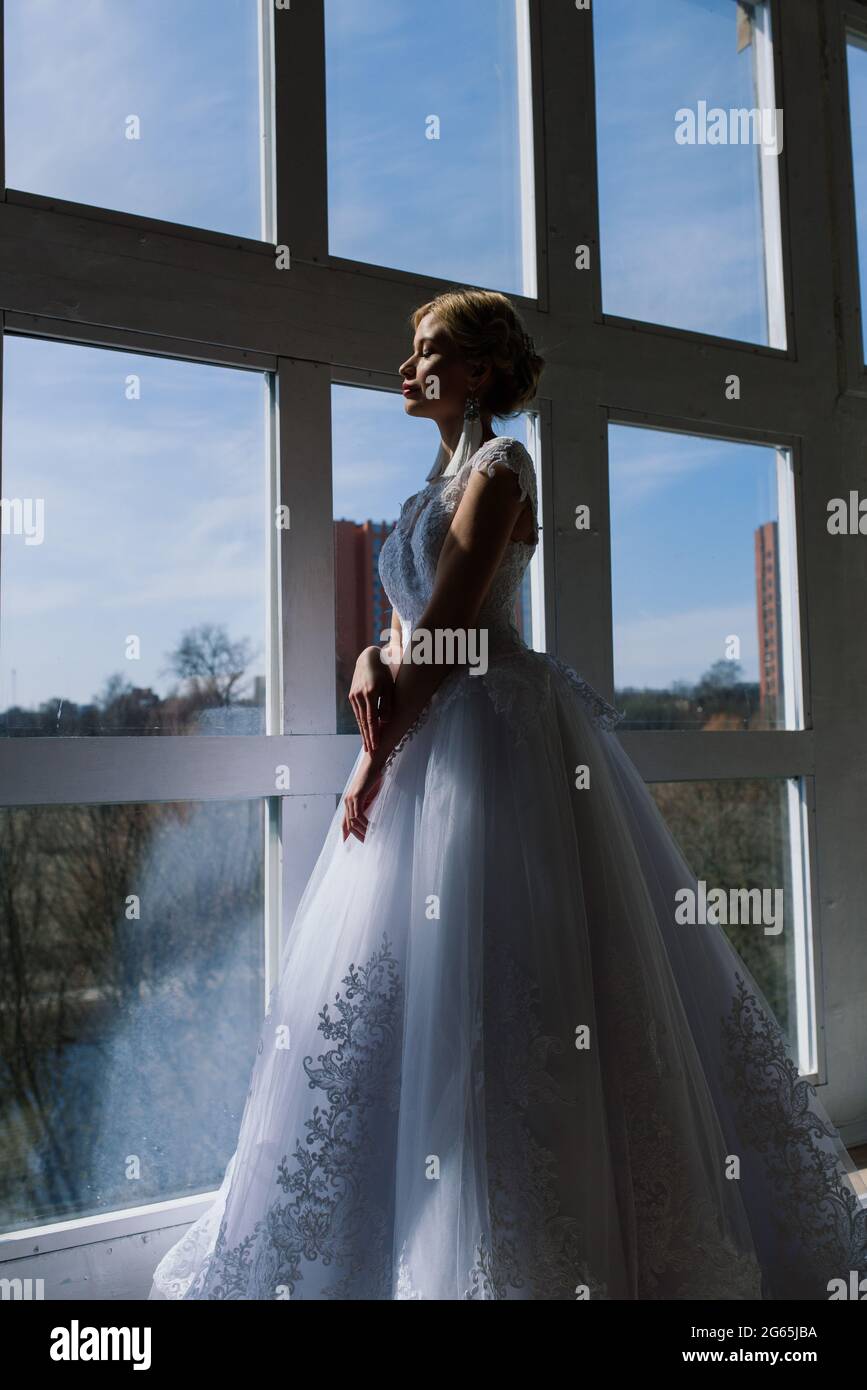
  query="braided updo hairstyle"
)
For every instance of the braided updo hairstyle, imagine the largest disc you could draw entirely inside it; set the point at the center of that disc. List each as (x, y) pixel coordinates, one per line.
(486, 327)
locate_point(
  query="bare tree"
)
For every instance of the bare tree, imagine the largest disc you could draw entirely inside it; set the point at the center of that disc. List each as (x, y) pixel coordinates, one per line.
(212, 663)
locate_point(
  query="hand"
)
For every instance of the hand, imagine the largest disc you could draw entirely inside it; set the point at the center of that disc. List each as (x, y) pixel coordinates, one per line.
(360, 797)
(371, 695)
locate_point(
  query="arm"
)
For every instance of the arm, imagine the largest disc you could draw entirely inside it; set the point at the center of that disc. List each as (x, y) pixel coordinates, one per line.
(371, 694)
(470, 557)
(396, 643)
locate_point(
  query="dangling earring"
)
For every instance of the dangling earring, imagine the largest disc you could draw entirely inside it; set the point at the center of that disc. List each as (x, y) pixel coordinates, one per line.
(471, 437)
(469, 443)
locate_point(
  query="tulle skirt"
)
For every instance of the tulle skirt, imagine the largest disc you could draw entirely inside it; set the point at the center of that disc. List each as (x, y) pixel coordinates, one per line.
(494, 1066)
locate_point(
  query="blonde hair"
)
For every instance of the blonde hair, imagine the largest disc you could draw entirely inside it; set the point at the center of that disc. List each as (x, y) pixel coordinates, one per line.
(485, 325)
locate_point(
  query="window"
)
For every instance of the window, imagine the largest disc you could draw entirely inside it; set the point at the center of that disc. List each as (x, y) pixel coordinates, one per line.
(150, 109)
(131, 998)
(688, 152)
(704, 592)
(132, 569)
(407, 139)
(748, 835)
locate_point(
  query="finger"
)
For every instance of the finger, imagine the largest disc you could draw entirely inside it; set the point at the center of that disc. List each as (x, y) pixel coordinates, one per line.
(356, 710)
(370, 718)
(361, 720)
(359, 713)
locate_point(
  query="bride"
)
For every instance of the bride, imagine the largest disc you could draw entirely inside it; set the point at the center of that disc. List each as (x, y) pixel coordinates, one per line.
(495, 1064)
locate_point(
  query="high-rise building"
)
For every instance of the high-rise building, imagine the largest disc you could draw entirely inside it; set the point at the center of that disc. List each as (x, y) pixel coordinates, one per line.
(363, 610)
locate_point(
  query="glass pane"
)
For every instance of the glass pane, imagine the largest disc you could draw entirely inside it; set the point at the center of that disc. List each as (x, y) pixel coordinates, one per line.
(421, 98)
(704, 583)
(151, 109)
(688, 134)
(749, 834)
(131, 994)
(857, 51)
(134, 551)
(381, 458)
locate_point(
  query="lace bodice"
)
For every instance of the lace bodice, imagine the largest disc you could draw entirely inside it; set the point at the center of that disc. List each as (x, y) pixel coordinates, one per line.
(519, 681)
(408, 558)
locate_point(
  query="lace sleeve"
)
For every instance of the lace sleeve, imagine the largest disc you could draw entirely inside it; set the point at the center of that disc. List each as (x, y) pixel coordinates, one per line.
(509, 454)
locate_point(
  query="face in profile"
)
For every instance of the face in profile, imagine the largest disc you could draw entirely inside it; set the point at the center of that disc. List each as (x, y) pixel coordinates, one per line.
(436, 377)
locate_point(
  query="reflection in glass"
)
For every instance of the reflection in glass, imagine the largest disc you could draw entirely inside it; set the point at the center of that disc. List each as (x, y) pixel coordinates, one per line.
(150, 109)
(704, 583)
(381, 458)
(751, 834)
(426, 104)
(132, 576)
(131, 992)
(688, 134)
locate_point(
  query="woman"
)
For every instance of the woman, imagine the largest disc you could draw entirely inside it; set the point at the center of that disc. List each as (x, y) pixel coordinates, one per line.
(494, 1064)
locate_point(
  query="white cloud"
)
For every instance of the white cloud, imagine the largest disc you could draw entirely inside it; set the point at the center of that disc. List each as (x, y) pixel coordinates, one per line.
(664, 647)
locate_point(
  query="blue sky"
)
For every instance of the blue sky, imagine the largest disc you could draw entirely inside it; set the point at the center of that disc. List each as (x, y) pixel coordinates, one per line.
(448, 207)
(681, 225)
(683, 516)
(161, 500)
(154, 514)
(189, 69)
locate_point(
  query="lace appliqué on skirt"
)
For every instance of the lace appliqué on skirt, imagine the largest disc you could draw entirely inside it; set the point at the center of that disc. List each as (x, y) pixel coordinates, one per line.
(328, 1218)
(533, 1245)
(816, 1200)
(683, 1250)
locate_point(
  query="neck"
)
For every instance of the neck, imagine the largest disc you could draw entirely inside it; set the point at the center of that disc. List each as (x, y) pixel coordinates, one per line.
(452, 429)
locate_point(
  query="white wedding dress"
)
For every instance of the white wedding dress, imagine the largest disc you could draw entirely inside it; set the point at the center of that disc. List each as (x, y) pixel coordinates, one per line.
(492, 1065)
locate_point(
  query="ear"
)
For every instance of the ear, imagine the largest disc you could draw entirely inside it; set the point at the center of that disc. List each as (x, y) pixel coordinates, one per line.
(479, 375)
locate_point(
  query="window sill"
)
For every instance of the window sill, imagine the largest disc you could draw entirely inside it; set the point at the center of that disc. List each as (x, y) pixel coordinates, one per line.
(65, 1235)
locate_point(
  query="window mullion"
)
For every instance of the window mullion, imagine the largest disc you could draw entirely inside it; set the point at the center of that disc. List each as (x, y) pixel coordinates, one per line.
(300, 166)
